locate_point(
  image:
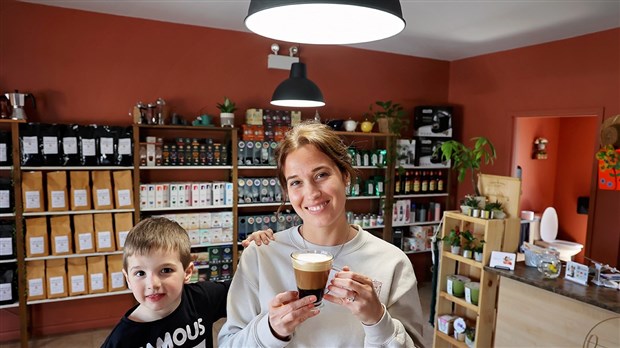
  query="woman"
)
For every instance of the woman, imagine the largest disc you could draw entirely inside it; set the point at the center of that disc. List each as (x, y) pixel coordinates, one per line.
(372, 301)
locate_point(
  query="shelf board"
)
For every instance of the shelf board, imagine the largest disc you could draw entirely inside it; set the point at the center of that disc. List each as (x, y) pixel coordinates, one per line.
(193, 128)
(459, 216)
(256, 167)
(77, 168)
(421, 195)
(412, 166)
(461, 259)
(8, 261)
(6, 167)
(184, 167)
(68, 256)
(417, 252)
(270, 204)
(424, 223)
(187, 208)
(77, 212)
(202, 266)
(206, 245)
(454, 342)
(364, 134)
(3, 215)
(12, 305)
(364, 197)
(79, 297)
(459, 301)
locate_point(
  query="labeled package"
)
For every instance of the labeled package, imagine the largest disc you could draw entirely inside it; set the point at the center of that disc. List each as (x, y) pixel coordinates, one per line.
(57, 191)
(70, 145)
(79, 183)
(97, 277)
(7, 203)
(56, 278)
(35, 280)
(116, 279)
(123, 222)
(83, 234)
(102, 190)
(104, 233)
(36, 237)
(61, 237)
(49, 144)
(77, 276)
(32, 192)
(8, 284)
(29, 144)
(7, 240)
(88, 145)
(123, 189)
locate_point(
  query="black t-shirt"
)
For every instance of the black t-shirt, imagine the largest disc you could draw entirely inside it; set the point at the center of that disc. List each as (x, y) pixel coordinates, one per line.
(190, 325)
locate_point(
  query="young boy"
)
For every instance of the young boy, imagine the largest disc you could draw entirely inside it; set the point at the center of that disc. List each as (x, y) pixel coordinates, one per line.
(171, 311)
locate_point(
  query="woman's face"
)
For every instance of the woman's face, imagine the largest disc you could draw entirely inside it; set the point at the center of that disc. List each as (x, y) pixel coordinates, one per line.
(316, 188)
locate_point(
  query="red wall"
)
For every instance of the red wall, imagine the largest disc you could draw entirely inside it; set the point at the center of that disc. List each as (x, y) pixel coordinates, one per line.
(560, 78)
(92, 68)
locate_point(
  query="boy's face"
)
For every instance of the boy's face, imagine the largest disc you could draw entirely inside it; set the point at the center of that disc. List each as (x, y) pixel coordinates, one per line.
(156, 280)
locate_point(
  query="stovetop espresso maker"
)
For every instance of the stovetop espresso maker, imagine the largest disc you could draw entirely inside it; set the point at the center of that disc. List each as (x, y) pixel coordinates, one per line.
(15, 106)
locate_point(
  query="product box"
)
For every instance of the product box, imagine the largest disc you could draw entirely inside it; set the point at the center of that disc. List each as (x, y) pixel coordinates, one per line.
(444, 323)
(216, 219)
(150, 151)
(195, 194)
(215, 255)
(428, 153)
(228, 193)
(406, 151)
(151, 196)
(218, 193)
(214, 272)
(227, 217)
(143, 195)
(227, 235)
(225, 271)
(194, 236)
(174, 195)
(166, 195)
(254, 117)
(242, 227)
(432, 121)
(159, 196)
(241, 150)
(204, 220)
(193, 221)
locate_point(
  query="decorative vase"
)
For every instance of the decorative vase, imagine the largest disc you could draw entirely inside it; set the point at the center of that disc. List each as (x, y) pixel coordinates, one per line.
(475, 213)
(384, 125)
(467, 254)
(478, 256)
(227, 119)
(455, 249)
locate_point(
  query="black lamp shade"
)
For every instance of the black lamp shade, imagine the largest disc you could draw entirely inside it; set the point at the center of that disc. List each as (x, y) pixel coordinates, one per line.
(325, 21)
(297, 90)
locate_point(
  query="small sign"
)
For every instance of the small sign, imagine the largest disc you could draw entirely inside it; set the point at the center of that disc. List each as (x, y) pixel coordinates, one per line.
(576, 272)
(503, 260)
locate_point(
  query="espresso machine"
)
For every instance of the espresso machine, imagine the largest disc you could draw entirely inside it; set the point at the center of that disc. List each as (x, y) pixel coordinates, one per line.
(17, 101)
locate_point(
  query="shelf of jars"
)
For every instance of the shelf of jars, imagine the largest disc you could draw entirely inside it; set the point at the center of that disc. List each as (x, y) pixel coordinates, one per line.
(69, 256)
(78, 212)
(69, 168)
(79, 297)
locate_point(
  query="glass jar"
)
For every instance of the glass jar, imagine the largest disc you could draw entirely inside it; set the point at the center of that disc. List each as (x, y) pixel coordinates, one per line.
(549, 264)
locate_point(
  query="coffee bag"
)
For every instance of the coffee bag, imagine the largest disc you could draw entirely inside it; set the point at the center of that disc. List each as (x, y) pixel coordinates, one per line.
(57, 191)
(102, 189)
(36, 237)
(32, 192)
(8, 284)
(35, 277)
(77, 276)
(97, 278)
(104, 233)
(123, 222)
(7, 204)
(61, 236)
(83, 234)
(123, 189)
(7, 240)
(80, 190)
(56, 278)
(116, 279)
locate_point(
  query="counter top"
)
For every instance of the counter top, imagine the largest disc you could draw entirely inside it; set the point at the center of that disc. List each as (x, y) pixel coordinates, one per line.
(601, 297)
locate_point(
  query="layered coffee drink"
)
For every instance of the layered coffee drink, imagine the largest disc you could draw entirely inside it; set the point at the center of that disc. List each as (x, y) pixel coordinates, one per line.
(312, 269)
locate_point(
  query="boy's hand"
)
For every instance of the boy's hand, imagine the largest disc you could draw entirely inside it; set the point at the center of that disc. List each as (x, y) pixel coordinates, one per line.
(259, 237)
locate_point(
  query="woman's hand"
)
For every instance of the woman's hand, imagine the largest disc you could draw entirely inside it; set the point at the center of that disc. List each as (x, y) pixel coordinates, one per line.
(259, 237)
(287, 311)
(355, 292)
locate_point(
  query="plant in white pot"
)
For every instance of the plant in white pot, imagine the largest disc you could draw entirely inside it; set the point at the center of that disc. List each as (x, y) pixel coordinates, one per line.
(469, 204)
(468, 244)
(454, 240)
(227, 112)
(478, 249)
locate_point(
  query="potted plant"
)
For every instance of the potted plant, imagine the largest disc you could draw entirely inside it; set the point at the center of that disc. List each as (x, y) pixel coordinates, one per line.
(468, 244)
(227, 109)
(470, 336)
(391, 118)
(469, 204)
(469, 159)
(495, 209)
(454, 240)
(478, 249)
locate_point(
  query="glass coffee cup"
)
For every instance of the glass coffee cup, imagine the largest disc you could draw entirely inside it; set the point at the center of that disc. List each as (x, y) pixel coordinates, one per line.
(312, 269)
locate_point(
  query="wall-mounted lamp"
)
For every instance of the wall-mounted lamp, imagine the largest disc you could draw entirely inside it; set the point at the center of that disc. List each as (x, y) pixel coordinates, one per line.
(540, 148)
(325, 21)
(297, 90)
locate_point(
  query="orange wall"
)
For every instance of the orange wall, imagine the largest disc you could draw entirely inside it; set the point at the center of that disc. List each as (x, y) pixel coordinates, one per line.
(92, 68)
(561, 78)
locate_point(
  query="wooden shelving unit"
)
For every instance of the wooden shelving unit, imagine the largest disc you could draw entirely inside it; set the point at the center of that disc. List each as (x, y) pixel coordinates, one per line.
(483, 314)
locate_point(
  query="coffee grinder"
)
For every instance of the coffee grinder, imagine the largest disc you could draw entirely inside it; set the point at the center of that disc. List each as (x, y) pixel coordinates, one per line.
(17, 102)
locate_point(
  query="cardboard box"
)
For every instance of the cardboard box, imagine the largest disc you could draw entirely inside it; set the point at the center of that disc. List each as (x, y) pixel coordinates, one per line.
(432, 121)
(428, 153)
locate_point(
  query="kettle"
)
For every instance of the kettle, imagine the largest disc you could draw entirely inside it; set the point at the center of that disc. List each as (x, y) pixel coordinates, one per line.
(17, 101)
(367, 126)
(350, 125)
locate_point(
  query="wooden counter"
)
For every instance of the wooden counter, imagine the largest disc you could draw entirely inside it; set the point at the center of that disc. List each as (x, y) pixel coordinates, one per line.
(537, 312)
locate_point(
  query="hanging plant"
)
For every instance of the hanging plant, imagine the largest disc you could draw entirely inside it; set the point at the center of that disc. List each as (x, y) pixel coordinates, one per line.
(608, 168)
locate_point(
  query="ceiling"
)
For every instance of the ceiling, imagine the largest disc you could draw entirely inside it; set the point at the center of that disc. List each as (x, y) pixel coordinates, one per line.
(439, 29)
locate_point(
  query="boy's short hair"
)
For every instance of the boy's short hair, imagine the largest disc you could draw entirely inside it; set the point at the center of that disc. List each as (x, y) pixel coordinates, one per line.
(157, 233)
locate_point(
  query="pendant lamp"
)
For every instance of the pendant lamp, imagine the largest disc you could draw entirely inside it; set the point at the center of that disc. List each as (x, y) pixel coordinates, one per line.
(297, 90)
(325, 21)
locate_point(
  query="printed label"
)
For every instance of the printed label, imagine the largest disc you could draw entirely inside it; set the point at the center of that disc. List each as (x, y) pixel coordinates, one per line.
(69, 145)
(35, 287)
(57, 285)
(58, 199)
(103, 197)
(50, 145)
(33, 200)
(96, 281)
(62, 244)
(124, 198)
(85, 241)
(78, 283)
(79, 198)
(104, 239)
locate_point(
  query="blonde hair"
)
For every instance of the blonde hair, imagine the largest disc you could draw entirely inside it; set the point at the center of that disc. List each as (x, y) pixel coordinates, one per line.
(157, 233)
(323, 138)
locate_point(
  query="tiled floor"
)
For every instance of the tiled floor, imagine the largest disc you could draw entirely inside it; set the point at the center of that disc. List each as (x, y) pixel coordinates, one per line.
(87, 339)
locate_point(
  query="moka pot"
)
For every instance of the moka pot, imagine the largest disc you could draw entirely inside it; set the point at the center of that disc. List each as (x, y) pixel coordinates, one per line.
(17, 102)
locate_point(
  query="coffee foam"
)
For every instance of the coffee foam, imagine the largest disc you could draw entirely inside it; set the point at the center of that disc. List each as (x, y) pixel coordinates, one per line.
(312, 262)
